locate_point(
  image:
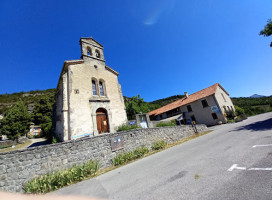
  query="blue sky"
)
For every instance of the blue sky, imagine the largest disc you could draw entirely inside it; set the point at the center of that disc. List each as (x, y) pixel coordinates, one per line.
(159, 47)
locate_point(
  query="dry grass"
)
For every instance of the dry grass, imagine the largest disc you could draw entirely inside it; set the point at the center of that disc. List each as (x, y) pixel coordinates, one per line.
(17, 147)
(188, 139)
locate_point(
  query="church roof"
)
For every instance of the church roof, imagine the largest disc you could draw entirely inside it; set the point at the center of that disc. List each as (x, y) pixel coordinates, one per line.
(111, 70)
(191, 98)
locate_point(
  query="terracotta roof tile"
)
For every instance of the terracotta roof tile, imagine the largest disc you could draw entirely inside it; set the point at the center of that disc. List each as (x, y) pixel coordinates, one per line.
(184, 101)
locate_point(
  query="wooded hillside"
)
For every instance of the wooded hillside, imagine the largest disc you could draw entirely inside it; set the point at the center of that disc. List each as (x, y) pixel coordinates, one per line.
(29, 98)
(134, 105)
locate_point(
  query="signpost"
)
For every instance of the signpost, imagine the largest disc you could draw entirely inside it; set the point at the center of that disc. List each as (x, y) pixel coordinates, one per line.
(117, 143)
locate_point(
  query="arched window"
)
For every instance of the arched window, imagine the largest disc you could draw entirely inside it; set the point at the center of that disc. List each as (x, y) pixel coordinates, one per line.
(101, 88)
(89, 51)
(97, 53)
(94, 87)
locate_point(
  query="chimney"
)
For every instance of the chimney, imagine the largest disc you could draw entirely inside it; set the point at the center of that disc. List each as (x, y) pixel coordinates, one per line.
(186, 94)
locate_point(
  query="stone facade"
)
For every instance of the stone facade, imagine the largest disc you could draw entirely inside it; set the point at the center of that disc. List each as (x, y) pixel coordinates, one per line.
(17, 167)
(88, 88)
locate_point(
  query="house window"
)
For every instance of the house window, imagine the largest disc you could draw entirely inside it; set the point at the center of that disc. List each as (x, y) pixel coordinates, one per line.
(189, 108)
(193, 118)
(101, 89)
(97, 53)
(94, 87)
(204, 103)
(214, 115)
(223, 97)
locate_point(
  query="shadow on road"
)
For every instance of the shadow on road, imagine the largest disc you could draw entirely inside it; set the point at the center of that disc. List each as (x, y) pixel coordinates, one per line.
(36, 144)
(257, 126)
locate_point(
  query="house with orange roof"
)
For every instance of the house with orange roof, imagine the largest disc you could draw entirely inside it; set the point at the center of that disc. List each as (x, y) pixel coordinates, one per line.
(207, 106)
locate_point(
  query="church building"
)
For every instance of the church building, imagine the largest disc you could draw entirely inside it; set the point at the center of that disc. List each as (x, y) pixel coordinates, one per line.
(89, 99)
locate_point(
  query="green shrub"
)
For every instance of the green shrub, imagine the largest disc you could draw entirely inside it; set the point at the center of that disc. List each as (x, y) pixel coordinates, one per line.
(230, 114)
(239, 111)
(125, 127)
(162, 124)
(231, 120)
(56, 180)
(126, 157)
(240, 118)
(159, 145)
(55, 139)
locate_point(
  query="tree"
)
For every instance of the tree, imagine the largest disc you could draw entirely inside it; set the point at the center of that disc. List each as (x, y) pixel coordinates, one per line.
(267, 31)
(16, 121)
(239, 111)
(42, 114)
(137, 105)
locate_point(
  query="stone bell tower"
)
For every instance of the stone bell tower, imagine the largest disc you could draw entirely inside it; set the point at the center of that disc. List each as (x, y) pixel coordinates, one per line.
(89, 99)
(91, 49)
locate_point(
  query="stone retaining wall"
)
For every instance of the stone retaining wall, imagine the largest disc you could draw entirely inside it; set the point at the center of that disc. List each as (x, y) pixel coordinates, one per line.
(18, 167)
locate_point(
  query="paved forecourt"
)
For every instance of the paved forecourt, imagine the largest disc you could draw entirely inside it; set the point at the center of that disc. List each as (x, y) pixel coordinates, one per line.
(232, 162)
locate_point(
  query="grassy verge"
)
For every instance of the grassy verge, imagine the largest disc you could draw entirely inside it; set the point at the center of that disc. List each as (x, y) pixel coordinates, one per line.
(62, 178)
(129, 157)
(17, 147)
(188, 139)
(6, 146)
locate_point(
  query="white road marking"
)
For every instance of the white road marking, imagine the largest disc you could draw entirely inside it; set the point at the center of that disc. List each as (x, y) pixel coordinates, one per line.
(262, 145)
(235, 166)
(261, 169)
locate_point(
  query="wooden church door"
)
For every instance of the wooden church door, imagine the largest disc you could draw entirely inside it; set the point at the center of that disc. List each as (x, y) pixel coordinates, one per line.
(102, 120)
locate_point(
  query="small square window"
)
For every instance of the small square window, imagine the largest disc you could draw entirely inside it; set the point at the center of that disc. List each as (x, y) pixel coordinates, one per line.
(76, 91)
(204, 103)
(189, 108)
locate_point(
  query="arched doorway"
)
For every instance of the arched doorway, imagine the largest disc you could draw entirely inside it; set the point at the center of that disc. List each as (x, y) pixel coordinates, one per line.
(102, 120)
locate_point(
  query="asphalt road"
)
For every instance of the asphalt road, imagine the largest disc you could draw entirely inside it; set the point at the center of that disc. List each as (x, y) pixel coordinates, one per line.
(224, 164)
